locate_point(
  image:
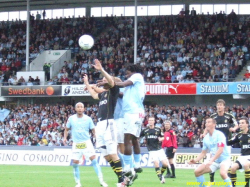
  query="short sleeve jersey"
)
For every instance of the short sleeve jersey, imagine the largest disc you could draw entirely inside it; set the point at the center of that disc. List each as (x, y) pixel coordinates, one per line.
(80, 127)
(134, 95)
(212, 144)
(224, 123)
(107, 103)
(151, 136)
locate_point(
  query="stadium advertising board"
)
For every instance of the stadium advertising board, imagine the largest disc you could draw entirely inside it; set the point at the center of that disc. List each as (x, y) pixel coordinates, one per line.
(30, 91)
(170, 89)
(62, 157)
(56, 157)
(224, 88)
(181, 160)
(74, 90)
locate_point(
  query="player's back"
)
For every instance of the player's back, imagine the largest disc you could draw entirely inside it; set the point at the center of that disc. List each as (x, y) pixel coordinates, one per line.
(134, 95)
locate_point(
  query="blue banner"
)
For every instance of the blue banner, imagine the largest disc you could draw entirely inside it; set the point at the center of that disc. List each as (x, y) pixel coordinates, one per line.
(223, 88)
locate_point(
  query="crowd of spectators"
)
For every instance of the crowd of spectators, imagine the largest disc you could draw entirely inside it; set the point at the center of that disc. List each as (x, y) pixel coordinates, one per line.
(43, 125)
(177, 48)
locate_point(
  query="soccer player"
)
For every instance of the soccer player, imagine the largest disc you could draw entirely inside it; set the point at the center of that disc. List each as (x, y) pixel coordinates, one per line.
(215, 142)
(242, 162)
(106, 132)
(133, 109)
(154, 136)
(119, 122)
(80, 125)
(226, 123)
(170, 142)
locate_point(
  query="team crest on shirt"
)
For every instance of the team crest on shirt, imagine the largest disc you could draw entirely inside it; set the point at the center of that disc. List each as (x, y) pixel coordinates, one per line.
(225, 120)
(248, 141)
(105, 95)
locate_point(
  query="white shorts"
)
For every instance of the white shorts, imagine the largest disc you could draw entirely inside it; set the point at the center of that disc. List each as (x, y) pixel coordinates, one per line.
(158, 155)
(83, 150)
(229, 149)
(120, 130)
(133, 123)
(243, 160)
(215, 166)
(106, 136)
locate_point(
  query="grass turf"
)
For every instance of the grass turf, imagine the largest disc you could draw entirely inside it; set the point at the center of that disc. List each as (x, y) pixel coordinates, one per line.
(59, 176)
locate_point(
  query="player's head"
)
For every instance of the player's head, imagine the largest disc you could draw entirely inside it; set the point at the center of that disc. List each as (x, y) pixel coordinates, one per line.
(132, 69)
(243, 123)
(107, 86)
(79, 107)
(151, 121)
(220, 105)
(210, 124)
(167, 124)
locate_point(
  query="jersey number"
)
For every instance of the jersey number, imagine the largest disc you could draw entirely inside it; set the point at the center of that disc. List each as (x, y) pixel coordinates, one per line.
(81, 145)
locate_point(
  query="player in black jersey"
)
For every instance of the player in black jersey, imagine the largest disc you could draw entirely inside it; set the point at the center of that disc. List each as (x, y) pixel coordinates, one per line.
(242, 162)
(106, 132)
(226, 123)
(154, 136)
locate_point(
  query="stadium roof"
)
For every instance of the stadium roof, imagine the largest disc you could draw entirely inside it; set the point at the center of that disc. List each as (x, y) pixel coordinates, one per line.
(13, 5)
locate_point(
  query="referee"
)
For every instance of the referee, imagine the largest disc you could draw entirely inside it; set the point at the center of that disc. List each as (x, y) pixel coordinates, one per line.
(170, 142)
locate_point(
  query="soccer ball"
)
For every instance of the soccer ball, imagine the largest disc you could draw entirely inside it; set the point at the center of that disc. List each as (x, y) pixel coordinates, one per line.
(86, 42)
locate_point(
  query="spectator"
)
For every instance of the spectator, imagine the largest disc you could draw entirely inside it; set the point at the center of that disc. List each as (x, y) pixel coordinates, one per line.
(247, 76)
(21, 81)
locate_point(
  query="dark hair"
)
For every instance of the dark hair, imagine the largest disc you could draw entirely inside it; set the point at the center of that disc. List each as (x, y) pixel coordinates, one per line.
(134, 68)
(245, 119)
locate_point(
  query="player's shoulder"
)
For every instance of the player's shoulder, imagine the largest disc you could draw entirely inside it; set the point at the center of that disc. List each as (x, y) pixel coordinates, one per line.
(229, 114)
(157, 129)
(213, 115)
(86, 117)
(72, 117)
(219, 133)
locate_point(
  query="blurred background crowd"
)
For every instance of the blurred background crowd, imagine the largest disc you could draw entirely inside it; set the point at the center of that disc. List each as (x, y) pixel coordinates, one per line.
(171, 49)
(43, 125)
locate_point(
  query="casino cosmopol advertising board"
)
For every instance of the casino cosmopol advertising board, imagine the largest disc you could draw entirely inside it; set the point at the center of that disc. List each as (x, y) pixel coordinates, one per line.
(30, 91)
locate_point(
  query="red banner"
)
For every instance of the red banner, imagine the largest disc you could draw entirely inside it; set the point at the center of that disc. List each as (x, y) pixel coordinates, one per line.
(171, 89)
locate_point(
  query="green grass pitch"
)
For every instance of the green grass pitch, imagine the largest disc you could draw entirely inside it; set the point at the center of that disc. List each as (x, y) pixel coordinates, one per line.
(60, 176)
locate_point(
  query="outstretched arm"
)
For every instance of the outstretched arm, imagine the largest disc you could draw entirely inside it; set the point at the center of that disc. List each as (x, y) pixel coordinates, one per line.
(99, 67)
(92, 92)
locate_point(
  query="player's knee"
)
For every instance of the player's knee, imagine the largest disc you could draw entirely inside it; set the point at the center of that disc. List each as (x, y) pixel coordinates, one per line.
(75, 162)
(92, 157)
(223, 174)
(196, 173)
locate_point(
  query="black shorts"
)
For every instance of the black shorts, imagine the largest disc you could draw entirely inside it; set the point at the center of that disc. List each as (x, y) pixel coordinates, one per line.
(169, 152)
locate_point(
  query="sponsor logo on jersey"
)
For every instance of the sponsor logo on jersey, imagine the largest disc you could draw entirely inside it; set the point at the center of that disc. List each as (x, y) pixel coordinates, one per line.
(104, 102)
(152, 137)
(246, 147)
(221, 125)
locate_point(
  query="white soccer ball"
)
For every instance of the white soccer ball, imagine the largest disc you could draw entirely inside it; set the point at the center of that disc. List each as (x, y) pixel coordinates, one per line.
(86, 42)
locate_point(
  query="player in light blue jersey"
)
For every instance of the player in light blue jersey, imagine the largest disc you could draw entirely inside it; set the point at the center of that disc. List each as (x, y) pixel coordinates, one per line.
(215, 142)
(119, 121)
(80, 125)
(133, 110)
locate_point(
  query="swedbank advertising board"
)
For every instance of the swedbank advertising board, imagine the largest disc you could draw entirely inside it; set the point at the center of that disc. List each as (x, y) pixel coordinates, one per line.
(31, 91)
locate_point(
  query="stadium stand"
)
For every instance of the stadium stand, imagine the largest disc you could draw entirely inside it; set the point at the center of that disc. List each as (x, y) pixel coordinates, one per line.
(43, 125)
(177, 49)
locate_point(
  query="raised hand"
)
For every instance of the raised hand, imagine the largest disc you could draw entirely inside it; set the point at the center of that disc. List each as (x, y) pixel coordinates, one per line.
(97, 65)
